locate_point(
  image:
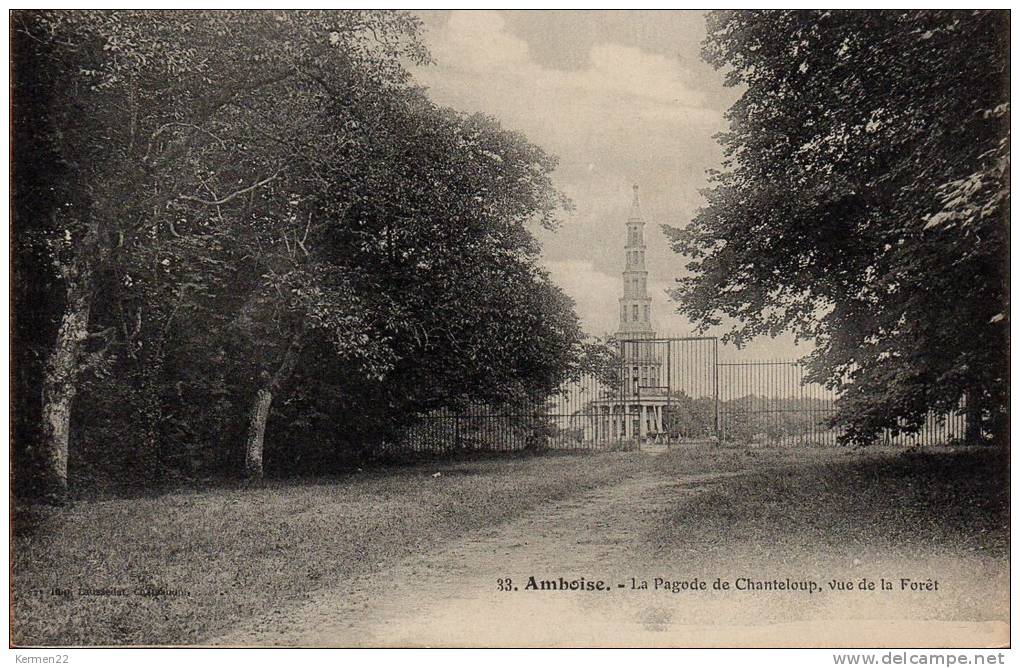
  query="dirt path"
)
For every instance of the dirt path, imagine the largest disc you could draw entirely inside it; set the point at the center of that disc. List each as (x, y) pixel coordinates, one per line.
(450, 596)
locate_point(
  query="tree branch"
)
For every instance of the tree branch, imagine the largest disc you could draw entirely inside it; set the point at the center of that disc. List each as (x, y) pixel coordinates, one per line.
(238, 193)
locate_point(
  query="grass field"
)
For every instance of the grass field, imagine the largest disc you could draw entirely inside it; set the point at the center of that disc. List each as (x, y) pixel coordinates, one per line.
(940, 514)
(236, 552)
(81, 573)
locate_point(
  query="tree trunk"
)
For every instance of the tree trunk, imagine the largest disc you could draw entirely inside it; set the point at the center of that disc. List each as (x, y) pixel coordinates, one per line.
(256, 434)
(253, 445)
(59, 387)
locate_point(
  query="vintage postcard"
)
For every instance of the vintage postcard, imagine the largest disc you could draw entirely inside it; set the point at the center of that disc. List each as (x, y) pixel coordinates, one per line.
(479, 328)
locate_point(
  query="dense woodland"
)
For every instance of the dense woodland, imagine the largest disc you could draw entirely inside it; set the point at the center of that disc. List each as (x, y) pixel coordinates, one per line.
(245, 241)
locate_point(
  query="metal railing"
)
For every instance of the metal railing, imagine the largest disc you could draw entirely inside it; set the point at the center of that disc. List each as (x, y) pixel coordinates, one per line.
(671, 391)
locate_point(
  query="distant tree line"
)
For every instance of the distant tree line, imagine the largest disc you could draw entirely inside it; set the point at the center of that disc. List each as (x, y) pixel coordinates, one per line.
(744, 418)
(246, 240)
(864, 204)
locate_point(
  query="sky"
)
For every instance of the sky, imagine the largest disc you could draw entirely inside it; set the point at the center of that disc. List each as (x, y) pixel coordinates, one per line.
(621, 98)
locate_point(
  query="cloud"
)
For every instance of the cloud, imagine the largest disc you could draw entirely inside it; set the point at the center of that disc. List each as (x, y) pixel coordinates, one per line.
(478, 41)
(635, 73)
(619, 115)
(627, 117)
(594, 292)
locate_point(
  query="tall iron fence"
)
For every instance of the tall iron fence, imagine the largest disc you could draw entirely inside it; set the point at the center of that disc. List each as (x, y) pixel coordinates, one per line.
(478, 427)
(667, 391)
(564, 420)
(771, 402)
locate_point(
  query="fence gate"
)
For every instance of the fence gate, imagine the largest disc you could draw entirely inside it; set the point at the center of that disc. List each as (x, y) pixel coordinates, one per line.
(662, 391)
(659, 391)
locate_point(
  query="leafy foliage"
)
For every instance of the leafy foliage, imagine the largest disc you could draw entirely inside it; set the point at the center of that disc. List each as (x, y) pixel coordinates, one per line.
(235, 189)
(864, 204)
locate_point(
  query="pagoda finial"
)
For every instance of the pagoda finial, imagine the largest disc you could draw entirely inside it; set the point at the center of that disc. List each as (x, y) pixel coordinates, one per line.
(635, 207)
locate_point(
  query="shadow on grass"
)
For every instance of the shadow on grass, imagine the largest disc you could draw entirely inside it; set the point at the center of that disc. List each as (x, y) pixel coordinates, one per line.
(240, 551)
(910, 502)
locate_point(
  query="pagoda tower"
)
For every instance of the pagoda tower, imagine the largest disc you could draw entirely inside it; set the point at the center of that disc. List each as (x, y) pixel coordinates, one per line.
(642, 362)
(636, 409)
(635, 304)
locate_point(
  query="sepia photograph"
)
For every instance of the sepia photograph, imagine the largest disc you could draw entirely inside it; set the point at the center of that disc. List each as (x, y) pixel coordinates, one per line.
(516, 328)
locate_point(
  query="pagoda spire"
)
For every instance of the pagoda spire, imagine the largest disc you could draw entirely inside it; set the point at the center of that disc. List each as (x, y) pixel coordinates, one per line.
(635, 304)
(635, 207)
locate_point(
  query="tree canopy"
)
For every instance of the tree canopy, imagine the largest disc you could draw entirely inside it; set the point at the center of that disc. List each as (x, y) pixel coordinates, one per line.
(213, 208)
(864, 204)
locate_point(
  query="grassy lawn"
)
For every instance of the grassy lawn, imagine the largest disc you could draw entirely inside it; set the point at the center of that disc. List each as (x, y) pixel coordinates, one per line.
(956, 500)
(844, 514)
(234, 553)
(239, 552)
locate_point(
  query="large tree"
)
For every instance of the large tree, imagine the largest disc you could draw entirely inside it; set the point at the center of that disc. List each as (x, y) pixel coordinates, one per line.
(436, 220)
(864, 204)
(114, 111)
(231, 215)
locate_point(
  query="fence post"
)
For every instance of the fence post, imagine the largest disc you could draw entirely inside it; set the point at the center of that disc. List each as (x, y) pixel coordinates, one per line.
(715, 381)
(667, 420)
(456, 431)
